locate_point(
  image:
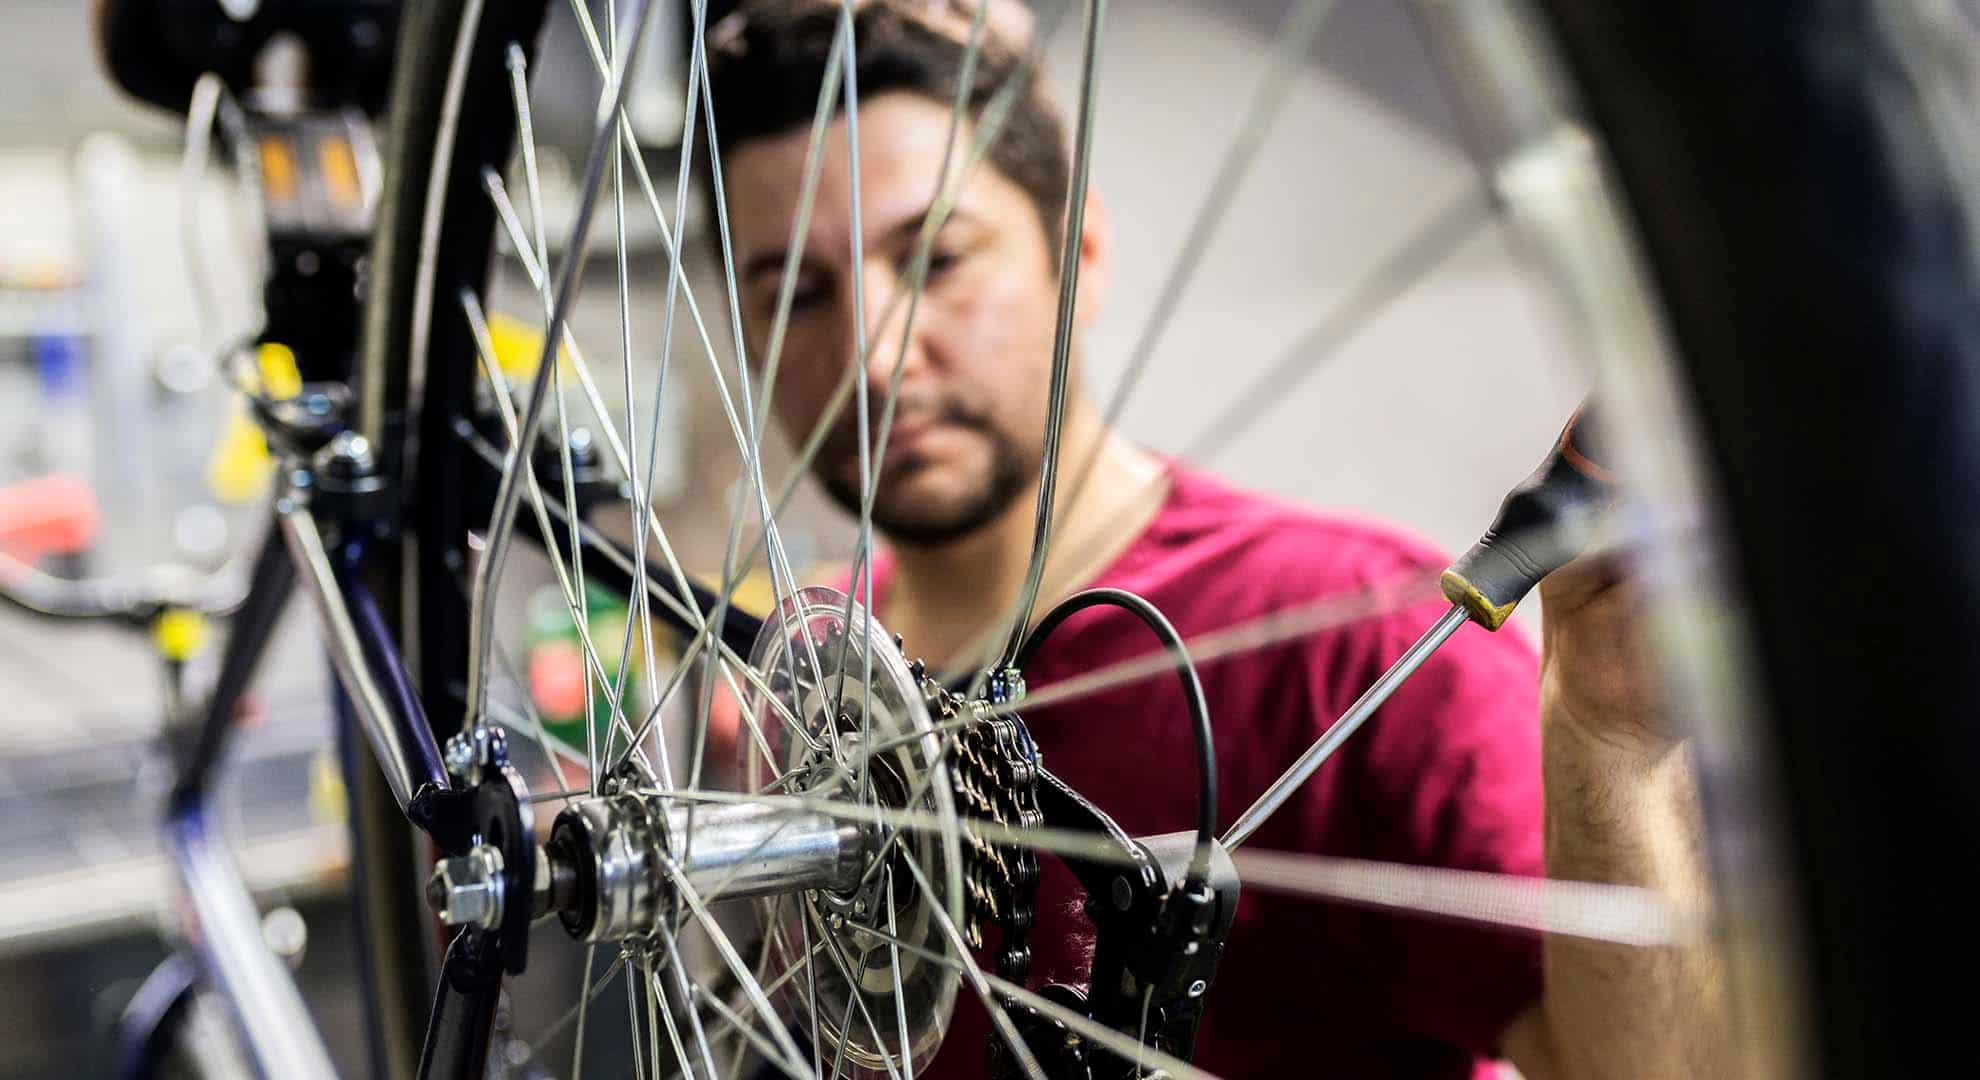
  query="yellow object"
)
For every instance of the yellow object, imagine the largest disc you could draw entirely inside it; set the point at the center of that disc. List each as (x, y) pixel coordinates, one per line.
(179, 633)
(327, 805)
(280, 377)
(340, 175)
(238, 471)
(518, 346)
(241, 465)
(1481, 609)
(278, 167)
(754, 594)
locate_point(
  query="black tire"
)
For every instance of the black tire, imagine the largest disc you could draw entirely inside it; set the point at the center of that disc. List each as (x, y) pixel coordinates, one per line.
(408, 395)
(1814, 267)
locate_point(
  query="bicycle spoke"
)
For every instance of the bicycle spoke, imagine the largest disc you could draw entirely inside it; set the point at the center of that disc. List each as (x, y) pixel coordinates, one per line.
(632, 1017)
(749, 441)
(640, 604)
(583, 1013)
(860, 580)
(653, 1014)
(1329, 612)
(552, 747)
(894, 969)
(676, 281)
(845, 1025)
(505, 211)
(1618, 914)
(778, 983)
(576, 1013)
(597, 543)
(508, 495)
(688, 611)
(1097, 1033)
(1285, 624)
(1070, 842)
(531, 725)
(763, 1046)
(811, 986)
(863, 545)
(855, 1002)
(1055, 408)
(679, 970)
(1368, 297)
(994, 116)
(727, 950)
(526, 140)
(595, 667)
(973, 973)
(991, 124)
(1290, 44)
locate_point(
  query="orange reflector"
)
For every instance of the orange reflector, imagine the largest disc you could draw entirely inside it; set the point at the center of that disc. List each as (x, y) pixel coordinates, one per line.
(278, 167)
(340, 175)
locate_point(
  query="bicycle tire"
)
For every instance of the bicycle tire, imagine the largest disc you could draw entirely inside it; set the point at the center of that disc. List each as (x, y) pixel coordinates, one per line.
(1817, 276)
(1828, 342)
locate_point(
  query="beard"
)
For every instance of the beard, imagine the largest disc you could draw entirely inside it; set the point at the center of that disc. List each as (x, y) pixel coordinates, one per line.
(917, 521)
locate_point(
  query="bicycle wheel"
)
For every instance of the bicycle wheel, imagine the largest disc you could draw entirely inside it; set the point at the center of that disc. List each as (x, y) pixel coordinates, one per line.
(1641, 150)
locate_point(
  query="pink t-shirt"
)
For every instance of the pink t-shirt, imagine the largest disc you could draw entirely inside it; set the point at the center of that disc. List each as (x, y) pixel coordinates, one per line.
(1446, 774)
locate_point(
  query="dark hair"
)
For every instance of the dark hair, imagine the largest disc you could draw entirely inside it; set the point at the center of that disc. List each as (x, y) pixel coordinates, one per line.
(768, 59)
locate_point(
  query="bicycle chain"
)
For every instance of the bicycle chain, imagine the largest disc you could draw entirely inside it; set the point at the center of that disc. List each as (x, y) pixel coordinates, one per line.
(994, 770)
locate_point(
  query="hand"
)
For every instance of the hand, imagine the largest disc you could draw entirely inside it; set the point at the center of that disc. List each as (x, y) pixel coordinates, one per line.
(1598, 673)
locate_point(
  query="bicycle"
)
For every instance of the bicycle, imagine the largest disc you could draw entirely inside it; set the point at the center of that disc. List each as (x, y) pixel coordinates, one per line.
(1643, 148)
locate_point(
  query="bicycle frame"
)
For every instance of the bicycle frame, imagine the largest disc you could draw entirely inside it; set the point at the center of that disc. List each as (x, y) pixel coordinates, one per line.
(219, 918)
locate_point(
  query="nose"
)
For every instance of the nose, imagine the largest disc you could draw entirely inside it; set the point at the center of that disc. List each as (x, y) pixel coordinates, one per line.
(889, 338)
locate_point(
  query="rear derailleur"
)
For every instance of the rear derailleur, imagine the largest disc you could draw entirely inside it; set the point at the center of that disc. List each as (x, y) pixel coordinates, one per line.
(1158, 937)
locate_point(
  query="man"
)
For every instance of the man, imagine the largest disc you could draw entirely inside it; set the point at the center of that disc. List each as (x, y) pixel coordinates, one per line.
(1449, 773)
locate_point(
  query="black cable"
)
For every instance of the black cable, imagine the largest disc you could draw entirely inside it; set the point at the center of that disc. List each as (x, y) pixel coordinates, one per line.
(1199, 710)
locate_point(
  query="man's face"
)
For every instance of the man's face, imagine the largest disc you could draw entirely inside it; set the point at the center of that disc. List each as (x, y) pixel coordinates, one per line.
(968, 428)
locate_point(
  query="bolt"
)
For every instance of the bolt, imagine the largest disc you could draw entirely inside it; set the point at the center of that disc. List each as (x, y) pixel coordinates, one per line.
(466, 890)
(286, 934)
(351, 448)
(1197, 988)
(1123, 893)
(1007, 686)
(461, 755)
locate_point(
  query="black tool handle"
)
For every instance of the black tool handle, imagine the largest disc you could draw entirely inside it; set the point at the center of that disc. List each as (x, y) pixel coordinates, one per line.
(1543, 524)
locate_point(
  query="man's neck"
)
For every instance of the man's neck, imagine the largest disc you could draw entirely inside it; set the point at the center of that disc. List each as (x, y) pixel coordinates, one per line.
(953, 601)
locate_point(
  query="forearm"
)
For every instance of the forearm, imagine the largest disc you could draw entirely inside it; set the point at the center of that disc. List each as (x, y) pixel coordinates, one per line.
(1624, 810)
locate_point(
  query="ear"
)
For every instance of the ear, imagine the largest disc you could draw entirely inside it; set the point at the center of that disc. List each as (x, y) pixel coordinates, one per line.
(1096, 249)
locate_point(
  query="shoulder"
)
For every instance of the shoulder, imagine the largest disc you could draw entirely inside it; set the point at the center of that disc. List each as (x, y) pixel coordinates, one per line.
(1361, 590)
(1296, 551)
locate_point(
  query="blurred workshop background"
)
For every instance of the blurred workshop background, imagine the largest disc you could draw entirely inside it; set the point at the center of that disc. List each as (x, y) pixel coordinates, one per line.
(120, 448)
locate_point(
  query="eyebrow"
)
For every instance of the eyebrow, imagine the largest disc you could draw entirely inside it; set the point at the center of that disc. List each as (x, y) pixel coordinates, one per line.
(908, 229)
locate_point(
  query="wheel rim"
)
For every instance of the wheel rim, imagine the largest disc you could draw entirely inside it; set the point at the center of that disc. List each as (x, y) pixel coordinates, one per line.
(751, 680)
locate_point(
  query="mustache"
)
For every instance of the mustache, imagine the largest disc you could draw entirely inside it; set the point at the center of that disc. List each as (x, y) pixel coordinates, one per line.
(911, 408)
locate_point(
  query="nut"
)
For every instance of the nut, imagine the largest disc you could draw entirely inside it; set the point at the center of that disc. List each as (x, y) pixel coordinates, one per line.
(466, 890)
(461, 755)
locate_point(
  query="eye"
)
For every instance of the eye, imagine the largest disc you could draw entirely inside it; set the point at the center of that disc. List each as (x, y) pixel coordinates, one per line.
(942, 260)
(806, 294)
(808, 291)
